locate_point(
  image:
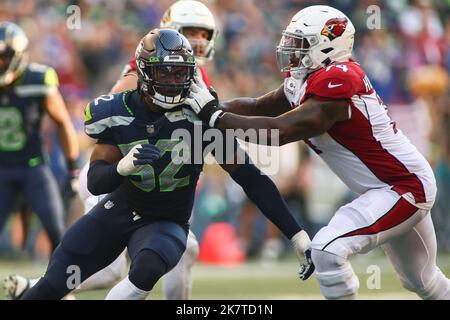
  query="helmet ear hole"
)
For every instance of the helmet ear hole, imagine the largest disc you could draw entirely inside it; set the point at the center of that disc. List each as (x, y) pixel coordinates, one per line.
(307, 62)
(326, 62)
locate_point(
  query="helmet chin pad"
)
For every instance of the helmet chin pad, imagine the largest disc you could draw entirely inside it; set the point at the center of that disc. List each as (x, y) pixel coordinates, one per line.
(168, 100)
(169, 95)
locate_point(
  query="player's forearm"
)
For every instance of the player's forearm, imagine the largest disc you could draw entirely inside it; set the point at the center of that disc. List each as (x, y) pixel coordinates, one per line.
(241, 106)
(262, 191)
(253, 107)
(103, 177)
(292, 126)
(57, 110)
(270, 134)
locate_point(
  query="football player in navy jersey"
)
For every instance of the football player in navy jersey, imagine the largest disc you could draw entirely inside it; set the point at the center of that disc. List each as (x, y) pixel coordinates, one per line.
(27, 92)
(151, 192)
(197, 23)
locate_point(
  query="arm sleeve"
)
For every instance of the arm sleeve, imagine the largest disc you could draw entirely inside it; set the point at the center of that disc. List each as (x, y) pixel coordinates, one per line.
(262, 191)
(103, 178)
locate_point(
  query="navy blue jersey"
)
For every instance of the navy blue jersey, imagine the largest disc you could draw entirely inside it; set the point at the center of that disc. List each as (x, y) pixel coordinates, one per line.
(21, 112)
(166, 189)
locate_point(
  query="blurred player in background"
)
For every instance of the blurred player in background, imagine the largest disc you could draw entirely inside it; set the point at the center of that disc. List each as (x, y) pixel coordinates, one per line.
(196, 22)
(150, 194)
(16, 285)
(328, 101)
(28, 91)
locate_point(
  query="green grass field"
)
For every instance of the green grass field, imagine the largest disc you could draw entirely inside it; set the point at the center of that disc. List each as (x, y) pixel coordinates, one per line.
(254, 280)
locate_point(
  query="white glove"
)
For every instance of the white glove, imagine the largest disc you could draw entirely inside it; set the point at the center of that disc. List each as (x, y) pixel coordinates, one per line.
(138, 156)
(199, 95)
(302, 248)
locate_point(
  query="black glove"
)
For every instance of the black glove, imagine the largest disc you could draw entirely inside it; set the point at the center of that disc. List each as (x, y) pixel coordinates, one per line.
(307, 270)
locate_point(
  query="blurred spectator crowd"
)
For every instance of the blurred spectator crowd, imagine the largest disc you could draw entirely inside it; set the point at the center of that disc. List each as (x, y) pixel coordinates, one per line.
(407, 59)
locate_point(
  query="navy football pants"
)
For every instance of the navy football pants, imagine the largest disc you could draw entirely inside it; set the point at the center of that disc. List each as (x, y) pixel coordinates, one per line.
(40, 190)
(96, 240)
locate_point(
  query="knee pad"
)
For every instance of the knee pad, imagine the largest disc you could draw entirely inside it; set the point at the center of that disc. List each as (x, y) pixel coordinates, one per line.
(167, 239)
(434, 286)
(146, 269)
(335, 275)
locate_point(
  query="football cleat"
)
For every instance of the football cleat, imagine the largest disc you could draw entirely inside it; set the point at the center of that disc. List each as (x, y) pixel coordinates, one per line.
(15, 286)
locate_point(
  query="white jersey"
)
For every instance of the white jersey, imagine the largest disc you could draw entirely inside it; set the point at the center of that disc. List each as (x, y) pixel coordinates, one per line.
(89, 200)
(366, 151)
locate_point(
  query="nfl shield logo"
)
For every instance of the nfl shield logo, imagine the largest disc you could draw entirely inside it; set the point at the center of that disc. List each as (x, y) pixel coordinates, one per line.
(108, 205)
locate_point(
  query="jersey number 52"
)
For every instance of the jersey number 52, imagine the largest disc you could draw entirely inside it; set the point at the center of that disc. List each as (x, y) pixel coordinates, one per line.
(146, 178)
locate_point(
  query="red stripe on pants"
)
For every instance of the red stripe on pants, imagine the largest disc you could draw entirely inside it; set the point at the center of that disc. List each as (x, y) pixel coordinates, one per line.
(399, 213)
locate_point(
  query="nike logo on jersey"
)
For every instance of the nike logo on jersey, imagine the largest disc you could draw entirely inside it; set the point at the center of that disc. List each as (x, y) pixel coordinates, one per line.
(331, 86)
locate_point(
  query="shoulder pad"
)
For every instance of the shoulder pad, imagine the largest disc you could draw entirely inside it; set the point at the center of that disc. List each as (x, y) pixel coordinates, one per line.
(106, 112)
(38, 80)
(338, 81)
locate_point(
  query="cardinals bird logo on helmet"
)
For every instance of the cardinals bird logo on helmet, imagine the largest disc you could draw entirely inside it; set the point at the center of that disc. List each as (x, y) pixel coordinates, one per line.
(334, 28)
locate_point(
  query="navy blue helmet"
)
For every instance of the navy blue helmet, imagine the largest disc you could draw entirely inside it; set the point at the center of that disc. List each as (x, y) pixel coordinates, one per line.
(13, 59)
(166, 66)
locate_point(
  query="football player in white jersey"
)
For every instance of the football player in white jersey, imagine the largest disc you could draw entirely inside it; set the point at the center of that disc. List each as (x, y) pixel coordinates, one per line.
(328, 101)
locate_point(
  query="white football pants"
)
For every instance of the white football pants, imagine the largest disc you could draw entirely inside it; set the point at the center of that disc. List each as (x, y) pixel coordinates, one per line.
(379, 217)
